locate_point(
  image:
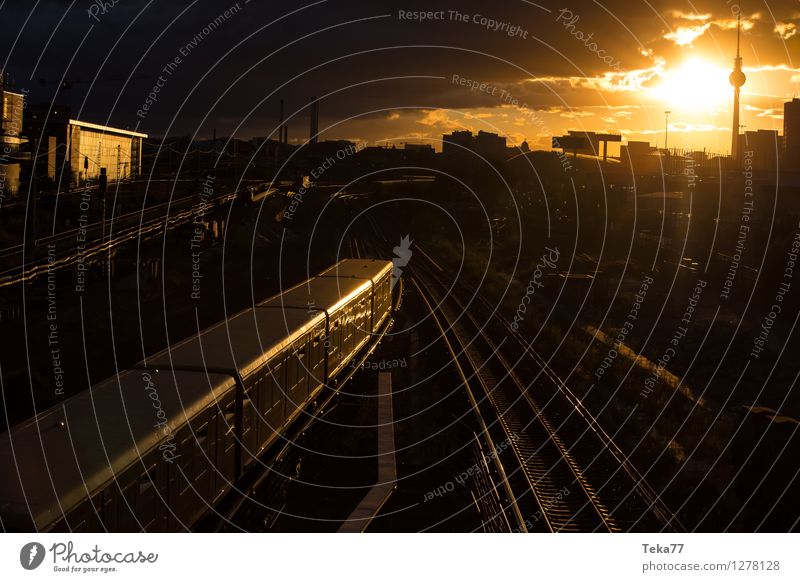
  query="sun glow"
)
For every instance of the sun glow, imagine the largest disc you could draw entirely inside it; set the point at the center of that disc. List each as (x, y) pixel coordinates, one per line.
(696, 85)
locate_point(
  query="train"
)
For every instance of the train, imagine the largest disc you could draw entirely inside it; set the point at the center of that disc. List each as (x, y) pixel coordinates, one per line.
(157, 446)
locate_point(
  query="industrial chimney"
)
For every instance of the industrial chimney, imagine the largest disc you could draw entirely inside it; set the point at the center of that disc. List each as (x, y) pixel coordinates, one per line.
(314, 130)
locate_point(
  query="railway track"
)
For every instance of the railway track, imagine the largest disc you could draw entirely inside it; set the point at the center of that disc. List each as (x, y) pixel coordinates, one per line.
(605, 462)
(545, 489)
(491, 494)
(561, 471)
(546, 484)
(143, 224)
(498, 504)
(549, 415)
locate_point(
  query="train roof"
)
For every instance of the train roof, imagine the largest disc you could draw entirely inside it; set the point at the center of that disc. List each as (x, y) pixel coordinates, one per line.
(333, 287)
(116, 424)
(358, 268)
(243, 342)
(322, 293)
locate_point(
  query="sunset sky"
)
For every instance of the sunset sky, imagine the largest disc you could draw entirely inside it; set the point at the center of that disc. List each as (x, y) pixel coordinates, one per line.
(385, 77)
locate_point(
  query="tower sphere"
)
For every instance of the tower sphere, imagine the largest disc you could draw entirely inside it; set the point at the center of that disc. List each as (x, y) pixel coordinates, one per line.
(737, 78)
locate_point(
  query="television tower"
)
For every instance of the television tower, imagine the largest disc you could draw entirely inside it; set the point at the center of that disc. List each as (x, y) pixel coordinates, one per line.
(737, 79)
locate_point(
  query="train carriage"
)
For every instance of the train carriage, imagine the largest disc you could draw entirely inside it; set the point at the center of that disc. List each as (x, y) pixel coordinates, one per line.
(379, 273)
(354, 295)
(98, 461)
(153, 448)
(277, 363)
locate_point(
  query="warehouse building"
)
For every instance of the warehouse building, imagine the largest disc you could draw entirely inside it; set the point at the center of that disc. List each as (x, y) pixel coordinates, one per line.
(70, 152)
(11, 140)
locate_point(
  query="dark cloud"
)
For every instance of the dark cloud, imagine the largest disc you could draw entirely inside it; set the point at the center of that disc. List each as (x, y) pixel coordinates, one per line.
(361, 53)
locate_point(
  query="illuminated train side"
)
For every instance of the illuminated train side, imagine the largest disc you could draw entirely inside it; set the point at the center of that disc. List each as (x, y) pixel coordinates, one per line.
(155, 447)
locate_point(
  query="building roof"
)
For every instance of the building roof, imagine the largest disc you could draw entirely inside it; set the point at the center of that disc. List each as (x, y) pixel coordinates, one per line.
(105, 128)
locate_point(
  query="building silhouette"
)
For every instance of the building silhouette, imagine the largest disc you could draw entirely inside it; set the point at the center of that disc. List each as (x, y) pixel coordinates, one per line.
(791, 134)
(490, 146)
(763, 147)
(11, 139)
(456, 143)
(585, 142)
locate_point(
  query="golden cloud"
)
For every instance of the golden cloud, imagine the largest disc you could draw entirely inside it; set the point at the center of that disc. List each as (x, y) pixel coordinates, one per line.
(686, 34)
(785, 30)
(690, 16)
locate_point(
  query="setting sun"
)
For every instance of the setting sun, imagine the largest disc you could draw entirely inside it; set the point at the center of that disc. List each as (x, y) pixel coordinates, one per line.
(696, 85)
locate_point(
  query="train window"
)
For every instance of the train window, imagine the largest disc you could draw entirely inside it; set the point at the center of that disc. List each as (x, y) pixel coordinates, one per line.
(362, 317)
(302, 365)
(277, 381)
(230, 417)
(297, 373)
(348, 330)
(291, 373)
(201, 440)
(78, 528)
(105, 502)
(268, 381)
(201, 436)
(147, 480)
(126, 511)
(317, 356)
(83, 518)
(292, 370)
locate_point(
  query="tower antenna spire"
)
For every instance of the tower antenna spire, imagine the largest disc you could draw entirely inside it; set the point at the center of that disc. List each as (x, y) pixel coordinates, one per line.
(738, 35)
(737, 78)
